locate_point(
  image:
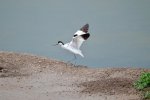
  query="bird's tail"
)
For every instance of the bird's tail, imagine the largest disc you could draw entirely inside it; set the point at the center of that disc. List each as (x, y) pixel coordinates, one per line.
(81, 55)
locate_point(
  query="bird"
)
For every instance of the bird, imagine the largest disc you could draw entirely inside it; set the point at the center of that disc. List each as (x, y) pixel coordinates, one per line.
(78, 38)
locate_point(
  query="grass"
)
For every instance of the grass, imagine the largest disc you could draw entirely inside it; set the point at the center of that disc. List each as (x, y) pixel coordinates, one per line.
(147, 95)
(143, 84)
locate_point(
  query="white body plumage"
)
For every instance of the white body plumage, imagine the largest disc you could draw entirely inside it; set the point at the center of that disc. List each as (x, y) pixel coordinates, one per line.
(79, 37)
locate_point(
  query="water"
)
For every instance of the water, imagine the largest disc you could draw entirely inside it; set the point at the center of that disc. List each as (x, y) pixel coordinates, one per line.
(120, 33)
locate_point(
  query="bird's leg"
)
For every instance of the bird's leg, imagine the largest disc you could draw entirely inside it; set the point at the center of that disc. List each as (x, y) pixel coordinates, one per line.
(72, 59)
(75, 59)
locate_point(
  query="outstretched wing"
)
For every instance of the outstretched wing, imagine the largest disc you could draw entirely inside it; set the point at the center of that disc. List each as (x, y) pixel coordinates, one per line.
(85, 28)
(80, 36)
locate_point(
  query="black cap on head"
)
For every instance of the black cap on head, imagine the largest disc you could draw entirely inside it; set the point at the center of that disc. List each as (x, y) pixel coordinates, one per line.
(60, 42)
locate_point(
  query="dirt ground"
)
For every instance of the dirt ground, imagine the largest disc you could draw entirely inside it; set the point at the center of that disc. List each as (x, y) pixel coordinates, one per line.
(29, 77)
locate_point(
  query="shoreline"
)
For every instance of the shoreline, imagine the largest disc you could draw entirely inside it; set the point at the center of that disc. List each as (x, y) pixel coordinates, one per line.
(29, 77)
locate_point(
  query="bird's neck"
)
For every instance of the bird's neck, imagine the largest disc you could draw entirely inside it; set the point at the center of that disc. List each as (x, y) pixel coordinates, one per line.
(61, 45)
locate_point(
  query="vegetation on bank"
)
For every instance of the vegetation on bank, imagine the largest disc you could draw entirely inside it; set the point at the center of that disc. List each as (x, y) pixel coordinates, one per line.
(143, 84)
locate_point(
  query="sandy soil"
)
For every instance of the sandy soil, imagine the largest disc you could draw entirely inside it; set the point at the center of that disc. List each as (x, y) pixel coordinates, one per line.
(28, 77)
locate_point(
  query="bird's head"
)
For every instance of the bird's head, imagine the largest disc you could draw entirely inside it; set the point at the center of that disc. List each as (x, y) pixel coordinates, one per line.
(59, 43)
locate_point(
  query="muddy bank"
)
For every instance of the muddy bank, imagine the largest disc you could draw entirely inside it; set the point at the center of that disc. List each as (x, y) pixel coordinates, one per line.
(29, 77)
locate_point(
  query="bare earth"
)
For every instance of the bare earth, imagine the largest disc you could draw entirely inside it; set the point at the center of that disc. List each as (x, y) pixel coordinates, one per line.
(28, 77)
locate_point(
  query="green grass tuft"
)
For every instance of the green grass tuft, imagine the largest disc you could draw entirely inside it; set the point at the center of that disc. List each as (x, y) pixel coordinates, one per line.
(143, 84)
(147, 95)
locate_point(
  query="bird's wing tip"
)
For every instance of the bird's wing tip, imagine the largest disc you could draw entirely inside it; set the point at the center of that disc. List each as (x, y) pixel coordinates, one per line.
(85, 28)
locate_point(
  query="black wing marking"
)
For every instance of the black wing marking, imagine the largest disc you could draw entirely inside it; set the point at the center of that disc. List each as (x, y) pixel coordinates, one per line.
(85, 36)
(75, 35)
(85, 28)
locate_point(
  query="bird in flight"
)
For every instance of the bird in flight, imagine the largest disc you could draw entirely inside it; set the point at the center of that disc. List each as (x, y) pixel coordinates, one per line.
(78, 38)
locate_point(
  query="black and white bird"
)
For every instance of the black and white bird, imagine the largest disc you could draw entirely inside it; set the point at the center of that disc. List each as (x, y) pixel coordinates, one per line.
(78, 38)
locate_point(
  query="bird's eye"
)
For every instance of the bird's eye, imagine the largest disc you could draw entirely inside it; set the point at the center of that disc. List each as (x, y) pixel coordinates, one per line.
(75, 35)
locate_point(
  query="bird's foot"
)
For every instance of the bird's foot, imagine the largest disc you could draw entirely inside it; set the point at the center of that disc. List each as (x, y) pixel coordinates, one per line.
(71, 64)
